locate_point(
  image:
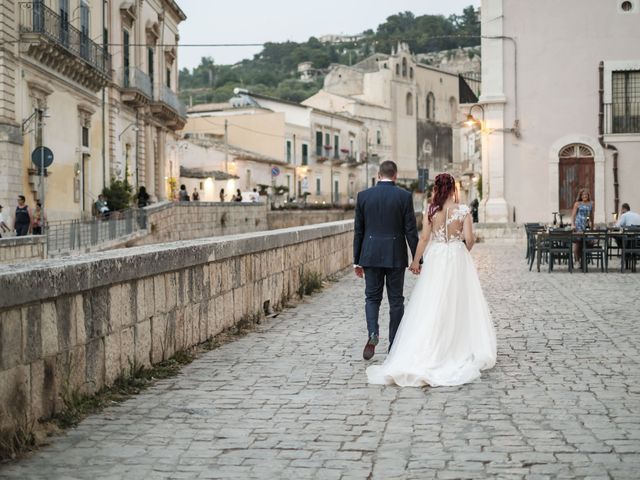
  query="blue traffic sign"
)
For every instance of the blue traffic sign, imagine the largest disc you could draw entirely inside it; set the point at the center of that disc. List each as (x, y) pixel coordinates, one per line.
(42, 155)
(275, 171)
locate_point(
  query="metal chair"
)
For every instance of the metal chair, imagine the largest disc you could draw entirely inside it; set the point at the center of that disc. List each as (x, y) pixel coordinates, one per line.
(594, 248)
(531, 229)
(560, 249)
(630, 249)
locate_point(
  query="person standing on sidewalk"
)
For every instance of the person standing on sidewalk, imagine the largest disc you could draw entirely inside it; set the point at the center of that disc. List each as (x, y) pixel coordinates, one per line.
(22, 219)
(38, 219)
(3, 225)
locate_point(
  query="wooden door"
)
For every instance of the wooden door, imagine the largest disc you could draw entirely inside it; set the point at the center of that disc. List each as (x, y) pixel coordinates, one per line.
(575, 173)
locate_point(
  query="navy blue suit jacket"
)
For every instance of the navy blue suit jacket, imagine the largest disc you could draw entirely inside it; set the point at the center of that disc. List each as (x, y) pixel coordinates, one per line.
(385, 223)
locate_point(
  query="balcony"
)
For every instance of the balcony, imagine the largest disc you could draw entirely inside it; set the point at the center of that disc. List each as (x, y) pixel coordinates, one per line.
(136, 87)
(168, 107)
(622, 118)
(55, 43)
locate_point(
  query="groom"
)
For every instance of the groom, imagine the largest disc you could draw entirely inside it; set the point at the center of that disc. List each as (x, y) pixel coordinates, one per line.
(385, 223)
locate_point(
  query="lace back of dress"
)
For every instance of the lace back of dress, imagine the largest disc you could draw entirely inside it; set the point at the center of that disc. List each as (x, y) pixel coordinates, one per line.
(448, 228)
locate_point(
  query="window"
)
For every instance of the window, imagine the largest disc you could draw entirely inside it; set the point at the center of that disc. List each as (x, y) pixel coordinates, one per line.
(319, 143)
(168, 78)
(336, 146)
(201, 185)
(409, 104)
(397, 69)
(453, 109)
(318, 185)
(404, 67)
(126, 61)
(150, 56)
(288, 151)
(64, 21)
(305, 154)
(351, 142)
(625, 102)
(431, 107)
(85, 136)
(84, 30)
(378, 137)
(411, 72)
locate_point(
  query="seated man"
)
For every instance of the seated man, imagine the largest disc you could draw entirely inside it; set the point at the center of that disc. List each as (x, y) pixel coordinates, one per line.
(101, 207)
(626, 219)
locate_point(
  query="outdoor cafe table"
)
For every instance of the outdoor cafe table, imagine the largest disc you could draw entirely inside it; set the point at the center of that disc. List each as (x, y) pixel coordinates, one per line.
(581, 237)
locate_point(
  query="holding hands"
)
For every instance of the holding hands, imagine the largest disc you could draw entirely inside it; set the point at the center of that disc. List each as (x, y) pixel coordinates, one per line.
(415, 267)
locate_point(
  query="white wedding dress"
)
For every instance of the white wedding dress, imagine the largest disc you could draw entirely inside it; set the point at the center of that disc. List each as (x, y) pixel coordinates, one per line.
(446, 336)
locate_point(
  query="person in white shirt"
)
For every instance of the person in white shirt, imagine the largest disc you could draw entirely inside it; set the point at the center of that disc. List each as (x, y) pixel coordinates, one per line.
(627, 217)
(3, 225)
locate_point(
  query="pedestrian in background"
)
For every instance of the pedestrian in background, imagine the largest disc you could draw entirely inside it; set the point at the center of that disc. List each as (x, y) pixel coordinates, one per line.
(22, 219)
(183, 195)
(142, 197)
(38, 219)
(238, 196)
(3, 225)
(195, 196)
(222, 195)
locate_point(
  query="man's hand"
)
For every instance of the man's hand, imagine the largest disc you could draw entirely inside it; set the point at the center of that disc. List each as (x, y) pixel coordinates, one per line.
(359, 271)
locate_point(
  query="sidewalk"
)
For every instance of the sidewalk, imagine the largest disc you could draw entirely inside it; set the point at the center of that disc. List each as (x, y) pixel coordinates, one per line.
(290, 400)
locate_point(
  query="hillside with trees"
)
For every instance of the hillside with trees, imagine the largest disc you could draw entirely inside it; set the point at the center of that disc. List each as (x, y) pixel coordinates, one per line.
(273, 71)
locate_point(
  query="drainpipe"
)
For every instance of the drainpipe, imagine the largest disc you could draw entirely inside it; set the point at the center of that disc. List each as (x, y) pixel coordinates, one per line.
(104, 131)
(608, 146)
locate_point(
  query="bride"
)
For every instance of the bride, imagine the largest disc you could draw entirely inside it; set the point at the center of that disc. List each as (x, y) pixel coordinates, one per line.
(446, 336)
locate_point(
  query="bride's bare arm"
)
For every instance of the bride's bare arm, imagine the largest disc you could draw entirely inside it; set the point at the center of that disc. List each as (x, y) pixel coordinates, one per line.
(467, 232)
(425, 235)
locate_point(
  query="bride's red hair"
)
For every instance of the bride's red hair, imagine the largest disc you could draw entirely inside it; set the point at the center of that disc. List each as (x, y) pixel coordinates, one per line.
(443, 187)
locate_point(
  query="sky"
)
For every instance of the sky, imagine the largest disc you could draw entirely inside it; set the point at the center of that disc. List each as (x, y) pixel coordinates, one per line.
(260, 21)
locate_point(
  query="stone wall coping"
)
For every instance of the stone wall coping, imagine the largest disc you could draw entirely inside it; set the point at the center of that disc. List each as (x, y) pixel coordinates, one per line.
(51, 278)
(156, 207)
(20, 241)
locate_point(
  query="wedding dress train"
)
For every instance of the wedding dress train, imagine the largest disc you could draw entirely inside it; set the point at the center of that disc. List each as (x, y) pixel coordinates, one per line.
(446, 336)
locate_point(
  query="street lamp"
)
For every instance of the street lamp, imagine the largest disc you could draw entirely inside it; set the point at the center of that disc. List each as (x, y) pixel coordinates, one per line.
(471, 120)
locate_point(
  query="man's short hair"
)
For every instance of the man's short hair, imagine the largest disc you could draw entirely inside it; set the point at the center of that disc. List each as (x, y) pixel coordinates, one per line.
(626, 206)
(388, 169)
(22, 197)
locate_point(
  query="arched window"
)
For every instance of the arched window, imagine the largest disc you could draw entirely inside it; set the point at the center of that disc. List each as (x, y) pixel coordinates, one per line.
(411, 72)
(431, 106)
(397, 69)
(379, 137)
(404, 67)
(409, 104)
(453, 109)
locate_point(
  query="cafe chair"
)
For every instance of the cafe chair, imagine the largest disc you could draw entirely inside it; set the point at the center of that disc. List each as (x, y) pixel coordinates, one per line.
(594, 249)
(560, 248)
(630, 249)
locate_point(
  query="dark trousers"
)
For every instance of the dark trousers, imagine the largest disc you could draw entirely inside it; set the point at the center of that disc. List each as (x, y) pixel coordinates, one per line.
(374, 285)
(22, 229)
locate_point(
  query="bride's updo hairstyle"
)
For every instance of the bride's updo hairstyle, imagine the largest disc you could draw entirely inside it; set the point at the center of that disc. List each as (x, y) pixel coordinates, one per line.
(443, 187)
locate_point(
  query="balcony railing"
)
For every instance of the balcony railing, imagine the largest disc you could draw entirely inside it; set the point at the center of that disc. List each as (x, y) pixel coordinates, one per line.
(169, 97)
(36, 18)
(622, 118)
(135, 78)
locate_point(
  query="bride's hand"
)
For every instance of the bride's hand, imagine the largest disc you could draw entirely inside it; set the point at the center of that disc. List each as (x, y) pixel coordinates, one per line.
(414, 268)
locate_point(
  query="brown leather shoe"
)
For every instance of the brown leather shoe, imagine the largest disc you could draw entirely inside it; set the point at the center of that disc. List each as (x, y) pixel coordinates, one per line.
(370, 347)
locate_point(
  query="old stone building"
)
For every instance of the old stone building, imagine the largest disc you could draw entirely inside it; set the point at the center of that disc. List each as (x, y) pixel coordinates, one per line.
(561, 107)
(409, 110)
(94, 82)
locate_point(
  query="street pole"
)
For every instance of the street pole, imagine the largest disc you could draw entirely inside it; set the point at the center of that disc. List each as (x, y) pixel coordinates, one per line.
(226, 146)
(41, 157)
(295, 177)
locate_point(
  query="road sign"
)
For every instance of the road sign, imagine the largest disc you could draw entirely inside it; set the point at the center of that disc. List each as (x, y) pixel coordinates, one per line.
(275, 171)
(42, 155)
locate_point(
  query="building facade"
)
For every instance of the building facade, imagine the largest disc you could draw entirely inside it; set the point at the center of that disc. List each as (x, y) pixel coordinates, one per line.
(409, 111)
(561, 107)
(73, 81)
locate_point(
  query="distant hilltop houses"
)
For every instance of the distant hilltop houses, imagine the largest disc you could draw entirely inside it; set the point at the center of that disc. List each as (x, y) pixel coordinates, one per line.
(338, 39)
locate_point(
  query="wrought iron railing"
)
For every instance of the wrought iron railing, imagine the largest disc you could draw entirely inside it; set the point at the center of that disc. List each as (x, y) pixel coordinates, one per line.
(133, 77)
(36, 17)
(170, 97)
(622, 117)
(78, 235)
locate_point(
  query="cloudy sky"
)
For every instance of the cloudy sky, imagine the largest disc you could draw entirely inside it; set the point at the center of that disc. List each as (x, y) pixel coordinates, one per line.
(259, 21)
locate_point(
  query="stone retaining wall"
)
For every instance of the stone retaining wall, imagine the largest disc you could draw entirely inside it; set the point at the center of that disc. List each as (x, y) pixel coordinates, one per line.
(76, 324)
(171, 221)
(15, 249)
(293, 218)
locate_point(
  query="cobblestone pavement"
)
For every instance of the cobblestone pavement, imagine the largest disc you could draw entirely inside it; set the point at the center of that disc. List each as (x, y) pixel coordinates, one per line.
(290, 400)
